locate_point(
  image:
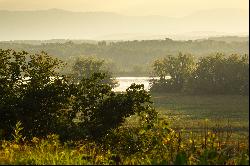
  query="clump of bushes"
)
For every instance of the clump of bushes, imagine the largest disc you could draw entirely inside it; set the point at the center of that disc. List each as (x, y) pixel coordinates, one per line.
(214, 74)
(35, 93)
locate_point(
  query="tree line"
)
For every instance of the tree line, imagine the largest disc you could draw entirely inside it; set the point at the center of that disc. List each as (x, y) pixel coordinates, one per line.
(131, 57)
(213, 74)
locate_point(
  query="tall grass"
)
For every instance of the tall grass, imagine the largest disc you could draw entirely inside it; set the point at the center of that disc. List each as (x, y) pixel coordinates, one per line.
(130, 145)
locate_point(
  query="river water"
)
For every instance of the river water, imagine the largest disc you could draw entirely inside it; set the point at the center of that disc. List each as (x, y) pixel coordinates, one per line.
(125, 82)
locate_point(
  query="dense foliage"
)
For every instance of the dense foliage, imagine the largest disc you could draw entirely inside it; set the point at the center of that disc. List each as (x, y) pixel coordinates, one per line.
(100, 109)
(33, 92)
(218, 74)
(179, 68)
(131, 57)
(214, 74)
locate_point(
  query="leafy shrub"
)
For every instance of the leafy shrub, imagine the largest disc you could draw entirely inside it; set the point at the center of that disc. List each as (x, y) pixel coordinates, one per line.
(101, 110)
(33, 92)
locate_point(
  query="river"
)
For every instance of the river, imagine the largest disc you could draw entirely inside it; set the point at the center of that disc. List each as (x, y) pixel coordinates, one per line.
(125, 82)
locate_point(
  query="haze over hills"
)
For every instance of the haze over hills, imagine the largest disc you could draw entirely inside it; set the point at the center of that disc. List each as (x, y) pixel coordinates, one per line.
(62, 24)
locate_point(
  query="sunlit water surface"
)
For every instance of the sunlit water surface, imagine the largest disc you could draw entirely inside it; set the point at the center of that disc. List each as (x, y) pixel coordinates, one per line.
(125, 82)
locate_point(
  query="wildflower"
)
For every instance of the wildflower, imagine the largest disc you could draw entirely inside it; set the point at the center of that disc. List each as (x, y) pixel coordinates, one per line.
(165, 140)
(15, 146)
(35, 140)
(7, 151)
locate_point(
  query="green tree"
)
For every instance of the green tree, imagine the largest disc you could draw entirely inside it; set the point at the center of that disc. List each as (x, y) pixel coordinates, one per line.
(179, 68)
(31, 92)
(12, 68)
(85, 67)
(218, 74)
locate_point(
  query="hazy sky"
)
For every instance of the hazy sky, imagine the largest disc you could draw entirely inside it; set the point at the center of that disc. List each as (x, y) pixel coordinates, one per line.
(172, 8)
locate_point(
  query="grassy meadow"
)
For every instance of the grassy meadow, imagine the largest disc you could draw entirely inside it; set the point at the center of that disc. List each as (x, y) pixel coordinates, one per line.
(193, 111)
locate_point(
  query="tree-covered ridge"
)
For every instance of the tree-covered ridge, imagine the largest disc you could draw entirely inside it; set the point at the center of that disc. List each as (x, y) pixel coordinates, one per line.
(129, 56)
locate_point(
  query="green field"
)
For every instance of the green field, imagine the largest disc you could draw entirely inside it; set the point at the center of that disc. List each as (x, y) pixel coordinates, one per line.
(194, 111)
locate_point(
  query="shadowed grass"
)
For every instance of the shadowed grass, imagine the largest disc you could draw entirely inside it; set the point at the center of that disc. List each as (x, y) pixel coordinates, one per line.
(190, 111)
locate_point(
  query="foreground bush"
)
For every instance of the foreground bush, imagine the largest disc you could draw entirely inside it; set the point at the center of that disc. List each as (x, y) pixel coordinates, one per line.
(46, 102)
(100, 109)
(31, 91)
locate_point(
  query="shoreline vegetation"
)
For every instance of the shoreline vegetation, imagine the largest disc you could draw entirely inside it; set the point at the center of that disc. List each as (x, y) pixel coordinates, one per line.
(78, 119)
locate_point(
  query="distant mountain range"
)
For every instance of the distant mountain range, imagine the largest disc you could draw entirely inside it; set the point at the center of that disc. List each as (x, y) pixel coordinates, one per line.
(61, 24)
